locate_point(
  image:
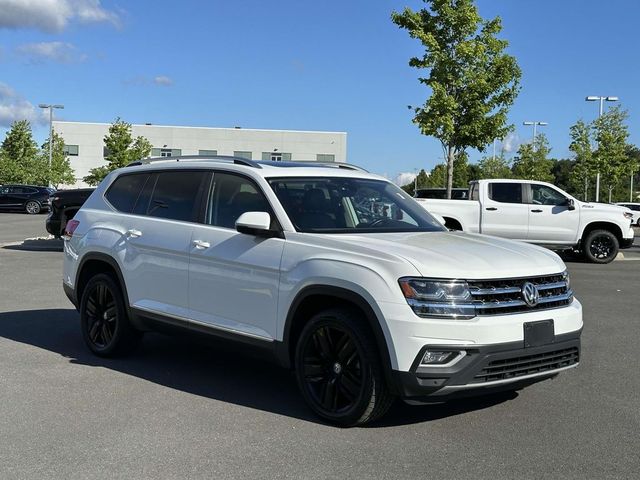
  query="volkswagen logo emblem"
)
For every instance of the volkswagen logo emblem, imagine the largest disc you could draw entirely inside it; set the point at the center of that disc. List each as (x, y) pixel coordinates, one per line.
(530, 294)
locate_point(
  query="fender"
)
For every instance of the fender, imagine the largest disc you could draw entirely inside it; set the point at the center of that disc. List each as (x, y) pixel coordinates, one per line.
(103, 257)
(283, 349)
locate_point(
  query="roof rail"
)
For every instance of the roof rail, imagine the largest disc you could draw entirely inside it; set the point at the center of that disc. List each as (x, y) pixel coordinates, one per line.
(346, 166)
(212, 158)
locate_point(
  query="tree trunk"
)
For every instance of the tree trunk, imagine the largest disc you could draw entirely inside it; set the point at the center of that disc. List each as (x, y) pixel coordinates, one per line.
(451, 156)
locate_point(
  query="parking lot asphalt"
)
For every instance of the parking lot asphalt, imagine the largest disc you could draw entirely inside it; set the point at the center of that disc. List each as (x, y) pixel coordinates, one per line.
(178, 409)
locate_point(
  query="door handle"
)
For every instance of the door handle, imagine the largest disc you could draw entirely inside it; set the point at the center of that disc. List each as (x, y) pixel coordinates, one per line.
(201, 244)
(133, 233)
(536, 211)
(491, 209)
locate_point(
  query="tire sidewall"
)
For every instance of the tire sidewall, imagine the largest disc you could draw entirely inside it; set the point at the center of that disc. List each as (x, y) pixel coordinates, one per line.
(335, 319)
(26, 207)
(587, 246)
(120, 314)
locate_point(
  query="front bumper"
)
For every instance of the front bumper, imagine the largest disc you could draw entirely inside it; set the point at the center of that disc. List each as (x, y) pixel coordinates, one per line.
(488, 368)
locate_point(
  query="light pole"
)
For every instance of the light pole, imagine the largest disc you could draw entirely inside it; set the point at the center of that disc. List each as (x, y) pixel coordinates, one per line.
(601, 99)
(50, 107)
(535, 125)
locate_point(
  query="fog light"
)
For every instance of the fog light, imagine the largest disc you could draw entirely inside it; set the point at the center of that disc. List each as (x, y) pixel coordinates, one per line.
(433, 357)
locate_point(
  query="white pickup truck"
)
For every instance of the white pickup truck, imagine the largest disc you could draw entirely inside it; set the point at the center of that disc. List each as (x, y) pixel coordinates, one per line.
(540, 213)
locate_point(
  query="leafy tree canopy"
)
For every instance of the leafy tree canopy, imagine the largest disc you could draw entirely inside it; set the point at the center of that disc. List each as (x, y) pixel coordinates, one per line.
(472, 81)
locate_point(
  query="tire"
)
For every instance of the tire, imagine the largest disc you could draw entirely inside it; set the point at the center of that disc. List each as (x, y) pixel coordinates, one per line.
(104, 322)
(600, 246)
(339, 371)
(32, 207)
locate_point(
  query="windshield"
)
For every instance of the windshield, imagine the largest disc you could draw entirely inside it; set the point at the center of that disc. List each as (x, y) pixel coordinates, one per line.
(349, 205)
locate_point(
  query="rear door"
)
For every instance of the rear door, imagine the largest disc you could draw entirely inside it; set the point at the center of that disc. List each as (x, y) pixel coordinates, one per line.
(5, 197)
(503, 212)
(157, 237)
(550, 220)
(234, 277)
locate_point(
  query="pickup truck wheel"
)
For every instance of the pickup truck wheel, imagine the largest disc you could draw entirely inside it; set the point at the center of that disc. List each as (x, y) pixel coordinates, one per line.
(339, 370)
(601, 246)
(103, 318)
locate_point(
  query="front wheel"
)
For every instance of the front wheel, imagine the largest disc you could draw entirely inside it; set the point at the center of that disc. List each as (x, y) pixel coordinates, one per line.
(601, 246)
(32, 207)
(339, 371)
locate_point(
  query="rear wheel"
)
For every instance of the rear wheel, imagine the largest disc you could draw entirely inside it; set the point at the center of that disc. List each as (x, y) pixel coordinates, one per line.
(339, 370)
(103, 318)
(601, 246)
(32, 207)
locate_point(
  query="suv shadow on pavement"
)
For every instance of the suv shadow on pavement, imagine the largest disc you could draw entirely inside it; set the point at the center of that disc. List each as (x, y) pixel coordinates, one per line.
(215, 370)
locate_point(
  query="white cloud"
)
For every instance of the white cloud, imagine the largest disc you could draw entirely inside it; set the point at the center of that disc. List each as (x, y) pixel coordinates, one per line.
(404, 178)
(14, 107)
(141, 80)
(53, 15)
(60, 52)
(163, 81)
(511, 142)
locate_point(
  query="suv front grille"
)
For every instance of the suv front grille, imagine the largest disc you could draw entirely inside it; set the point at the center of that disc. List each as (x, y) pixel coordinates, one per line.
(495, 297)
(527, 365)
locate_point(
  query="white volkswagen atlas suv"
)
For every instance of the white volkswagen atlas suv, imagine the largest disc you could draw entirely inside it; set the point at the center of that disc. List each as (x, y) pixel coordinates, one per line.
(335, 272)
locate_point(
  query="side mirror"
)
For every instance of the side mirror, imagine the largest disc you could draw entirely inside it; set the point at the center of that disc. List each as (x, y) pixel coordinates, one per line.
(571, 204)
(255, 223)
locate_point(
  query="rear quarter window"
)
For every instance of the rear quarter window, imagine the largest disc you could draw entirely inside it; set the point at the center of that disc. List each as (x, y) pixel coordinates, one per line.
(124, 191)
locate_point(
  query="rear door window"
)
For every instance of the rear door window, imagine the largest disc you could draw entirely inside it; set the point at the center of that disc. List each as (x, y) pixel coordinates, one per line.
(506, 192)
(124, 191)
(176, 195)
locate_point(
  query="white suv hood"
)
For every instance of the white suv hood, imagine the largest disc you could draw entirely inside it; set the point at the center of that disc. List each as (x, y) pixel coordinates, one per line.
(460, 255)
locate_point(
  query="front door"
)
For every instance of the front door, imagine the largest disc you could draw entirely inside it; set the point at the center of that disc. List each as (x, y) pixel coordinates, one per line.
(550, 220)
(503, 213)
(234, 277)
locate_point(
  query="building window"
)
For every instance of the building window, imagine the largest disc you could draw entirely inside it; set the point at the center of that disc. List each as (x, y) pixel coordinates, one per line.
(166, 152)
(71, 150)
(208, 152)
(325, 157)
(242, 154)
(276, 156)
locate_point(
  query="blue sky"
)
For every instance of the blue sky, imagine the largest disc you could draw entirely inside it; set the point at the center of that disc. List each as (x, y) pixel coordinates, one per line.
(332, 65)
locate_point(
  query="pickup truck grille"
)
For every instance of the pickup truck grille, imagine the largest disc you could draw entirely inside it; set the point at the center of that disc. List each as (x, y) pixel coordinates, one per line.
(496, 297)
(528, 365)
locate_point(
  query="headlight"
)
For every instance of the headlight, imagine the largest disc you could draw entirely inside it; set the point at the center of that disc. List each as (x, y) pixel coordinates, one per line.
(438, 298)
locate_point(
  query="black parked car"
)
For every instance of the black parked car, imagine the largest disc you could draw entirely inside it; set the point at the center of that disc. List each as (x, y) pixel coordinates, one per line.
(441, 193)
(28, 198)
(64, 205)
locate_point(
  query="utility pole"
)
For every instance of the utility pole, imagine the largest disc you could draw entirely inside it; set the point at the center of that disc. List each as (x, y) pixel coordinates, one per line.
(535, 125)
(50, 107)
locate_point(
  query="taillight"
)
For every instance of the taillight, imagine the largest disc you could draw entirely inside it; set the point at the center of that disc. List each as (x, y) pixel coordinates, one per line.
(70, 228)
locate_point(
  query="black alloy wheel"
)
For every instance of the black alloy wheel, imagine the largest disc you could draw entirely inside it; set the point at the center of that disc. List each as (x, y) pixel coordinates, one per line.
(103, 318)
(333, 369)
(339, 371)
(601, 246)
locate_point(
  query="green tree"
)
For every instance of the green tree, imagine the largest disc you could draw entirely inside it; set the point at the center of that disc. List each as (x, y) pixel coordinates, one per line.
(422, 180)
(494, 167)
(585, 166)
(438, 176)
(18, 153)
(611, 156)
(60, 172)
(461, 170)
(531, 162)
(472, 81)
(561, 171)
(122, 149)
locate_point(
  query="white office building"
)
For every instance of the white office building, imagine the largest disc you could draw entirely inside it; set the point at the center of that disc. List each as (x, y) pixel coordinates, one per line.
(85, 143)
